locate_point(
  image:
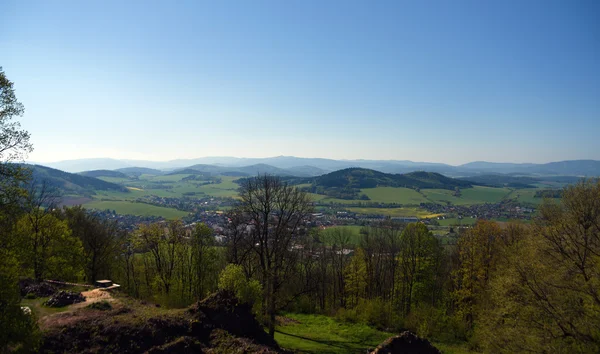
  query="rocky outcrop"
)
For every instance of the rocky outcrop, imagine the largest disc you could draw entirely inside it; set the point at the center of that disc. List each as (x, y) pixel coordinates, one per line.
(218, 324)
(64, 298)
(406, 343)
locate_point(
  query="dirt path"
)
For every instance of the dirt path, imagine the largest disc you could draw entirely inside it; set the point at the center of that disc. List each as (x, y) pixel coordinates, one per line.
(95, 295)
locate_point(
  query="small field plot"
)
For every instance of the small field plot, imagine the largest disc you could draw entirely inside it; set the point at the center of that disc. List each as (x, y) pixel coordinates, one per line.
(132, 208)
(456, 221)
(526, 196)
(394, 195)
(321, 334)
(227, 188)
(117, 180)
(399, 212)
(468, 196)
(353, 232)
(169, 178)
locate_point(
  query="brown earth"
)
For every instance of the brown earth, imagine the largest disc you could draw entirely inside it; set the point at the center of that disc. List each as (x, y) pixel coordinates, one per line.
(406, 343)
(218, 324)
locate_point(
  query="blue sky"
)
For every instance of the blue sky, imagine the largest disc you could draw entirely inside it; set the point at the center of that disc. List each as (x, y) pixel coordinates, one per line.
(440, 81)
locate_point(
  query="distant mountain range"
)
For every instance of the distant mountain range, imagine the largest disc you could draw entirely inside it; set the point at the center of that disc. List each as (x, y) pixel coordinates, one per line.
(299, 166)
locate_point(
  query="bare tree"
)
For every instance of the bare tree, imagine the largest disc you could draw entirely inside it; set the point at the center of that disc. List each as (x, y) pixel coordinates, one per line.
(276, 214)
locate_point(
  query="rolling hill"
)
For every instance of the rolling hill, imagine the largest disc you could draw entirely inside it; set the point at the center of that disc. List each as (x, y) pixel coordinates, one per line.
(251, 170)
(365, 178)
(303, 167)
(70, 183)
(137, 171)
(103, 173)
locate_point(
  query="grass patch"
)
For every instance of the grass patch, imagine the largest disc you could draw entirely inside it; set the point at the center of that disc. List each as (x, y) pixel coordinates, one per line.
(456, 221)
(322, 334)
(399, 212)
(468, 196)
(132, 208)
(394, 195)
(353, 233)
(39, 309)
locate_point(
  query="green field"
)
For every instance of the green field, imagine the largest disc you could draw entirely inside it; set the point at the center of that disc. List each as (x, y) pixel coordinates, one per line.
(468, 196)
(132, 208)
(173, 186)
(394, 195)
(526, 196)
(322, 334)
(353, 233)
(397, 212)
(456, 221)
(407, 196)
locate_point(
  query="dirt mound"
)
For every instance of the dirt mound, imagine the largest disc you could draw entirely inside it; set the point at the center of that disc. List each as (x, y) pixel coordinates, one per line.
(222, 310)
(64, 298)
(37, 289)
(406, 343)
(219, 324)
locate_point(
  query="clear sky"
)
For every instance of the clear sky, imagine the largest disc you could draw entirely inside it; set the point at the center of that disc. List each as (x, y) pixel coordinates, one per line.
(441, 81)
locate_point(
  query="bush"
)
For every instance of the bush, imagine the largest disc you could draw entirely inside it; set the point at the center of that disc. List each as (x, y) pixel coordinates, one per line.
(30, 296)
(247, 291)
(100, 305)
(434, 323)
(375, 312)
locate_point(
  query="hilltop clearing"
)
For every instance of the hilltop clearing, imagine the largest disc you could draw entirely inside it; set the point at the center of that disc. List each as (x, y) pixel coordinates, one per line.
(218, 324)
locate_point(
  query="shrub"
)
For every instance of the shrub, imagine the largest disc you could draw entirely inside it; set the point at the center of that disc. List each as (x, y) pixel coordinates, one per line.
(100, 305)
(248, 291)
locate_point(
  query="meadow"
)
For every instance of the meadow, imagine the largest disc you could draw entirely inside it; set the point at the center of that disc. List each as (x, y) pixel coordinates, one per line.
(304, 333)
(406, 199)
(133, 208)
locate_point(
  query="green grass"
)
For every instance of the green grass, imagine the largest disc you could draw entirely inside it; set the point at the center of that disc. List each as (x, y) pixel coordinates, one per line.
(169, 178)
(398, 212)
(118, 180)
(469, 196)
(456, 221)
(39, 309)
(526, 196)
(322, 334)
(353, 233)
(132, 208)
(394, 195)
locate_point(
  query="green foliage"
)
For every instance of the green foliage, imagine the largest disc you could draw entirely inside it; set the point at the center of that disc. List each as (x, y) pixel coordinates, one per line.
(100, 305)
(233, 279)
(18, 331)
(50, 250)
(545, 296)
(322, 334)
(356, 277)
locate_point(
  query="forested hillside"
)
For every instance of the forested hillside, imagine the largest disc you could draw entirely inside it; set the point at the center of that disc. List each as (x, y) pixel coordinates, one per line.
(67, 183)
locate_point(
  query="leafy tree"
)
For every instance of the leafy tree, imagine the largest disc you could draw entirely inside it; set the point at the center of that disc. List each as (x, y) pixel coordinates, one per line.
(356, 277)
(160, 246)
(477, 254)
(99, 239)
(418, 251)
(546, 296)
(15, 327)
(233, 279)
(14, 141)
